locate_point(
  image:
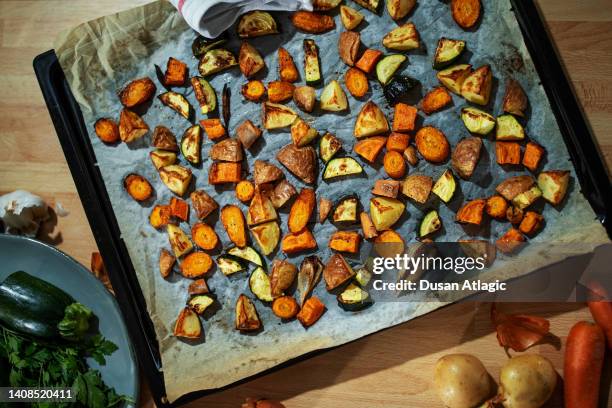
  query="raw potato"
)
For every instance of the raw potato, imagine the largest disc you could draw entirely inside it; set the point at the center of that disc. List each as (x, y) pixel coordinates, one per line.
(107, 130)
(461, 381)
(399, 9)
(313, 23)
(465, 156)
(304, 97)
(527, 381)
(432, 144)
(137, 92)
(350, 17)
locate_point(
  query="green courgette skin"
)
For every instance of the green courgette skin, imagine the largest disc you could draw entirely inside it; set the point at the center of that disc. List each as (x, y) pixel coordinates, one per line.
(31, 306)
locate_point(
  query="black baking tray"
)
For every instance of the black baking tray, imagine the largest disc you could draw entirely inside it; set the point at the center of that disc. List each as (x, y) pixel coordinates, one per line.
(71, 130)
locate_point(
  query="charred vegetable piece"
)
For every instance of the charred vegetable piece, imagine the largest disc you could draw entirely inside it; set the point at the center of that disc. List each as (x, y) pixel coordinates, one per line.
(363, 277)
(447, 52)
(346, 210)
(254, 91)
(256, 24)
(333, 97)
(353, 298)
(200, 303)
(179, 209)
(107, 130)
(137, 92)
(304, 97)
(188, 325)
(386, 67)
(345, 241)
(404, 117)
(227, 150)
(246, 315)
(191, 144)
(287, 70)
(329, 145)
(323, 5)
(367, 226)
(276, 116)
(533, 156)
(496, 207)
(531, 223)
(430, 224)
(312, 68)
(350, 17)
(245, 190)
(282, 275)
(261, 209)
(341, 166)
(214, 128)
(553, 184)
(283, 192)
(216, 60)
(371, 121)
(515, 100)
(465, 12)
(508, 153)
(204, 236)
(164, 139)
(225, 105)
(298, 242)
(402, 38)
(166, 262)
(325, 207)
(513, 186)
(385, 212)
(203, 204)
(510, 242)
(248, 254)
(370, 147)
(197, 287)
(389, 243)
(137, 187)
(313, 23)
(445, 186)
(396, 90)
(337, 272)
(179, 241)
(235, 226)
(309, 276)
(224, 172)
(454, 77)
(160, 216)
(394, 164)
(399, 9)
(410, 154)
(526, 198)
(176, 102)
(264, 172)
(230, 265)
(202, 44)
(205, 94)
(301, 161)
(514, 215)
(267, 236)
(508, 128)
(477, 121)
(259, 283)
(131, 126)
(279, 91)
(476, 88)
(368, 60)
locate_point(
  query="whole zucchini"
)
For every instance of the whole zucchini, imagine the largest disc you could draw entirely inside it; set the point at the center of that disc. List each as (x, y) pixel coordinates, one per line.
(33, 307)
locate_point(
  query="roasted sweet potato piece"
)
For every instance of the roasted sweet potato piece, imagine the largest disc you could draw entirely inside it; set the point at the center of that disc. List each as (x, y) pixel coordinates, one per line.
(204, 236)
(397, 142)
(245, 191)
(166, 262)
(160, 216)
(370, 148)
(248, 133)
(234, 224)
(508, 152)
(179, 208)
(404, 117)
(312, 310)
(227, 150)
(302, 210)
(254, 90)
(279, 91)
(533, 156)
(389, 243)
(176, 73)
(348, 46)
(222, 172)
(367, 226)
(337, 271)
(532, 222)
(356, 82)
(285, 307)
(496, 207)
(471, 212)
(188, 325)
(287, 70)
(394, 164)
(283, 192)
(345, 241)
(136, 92)
(368, 60)
(203, 203)
(386, 188)
(196, 265)
(465, 12)
(325, 207)
(131, 126)
(214, 128)
(510, 241)
(107, 130)
(435, 100)
(313, 23)
(298, 242)
(137, 187)
(432, 144)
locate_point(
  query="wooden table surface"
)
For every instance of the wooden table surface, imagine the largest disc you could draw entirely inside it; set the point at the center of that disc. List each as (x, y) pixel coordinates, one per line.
(390, 369)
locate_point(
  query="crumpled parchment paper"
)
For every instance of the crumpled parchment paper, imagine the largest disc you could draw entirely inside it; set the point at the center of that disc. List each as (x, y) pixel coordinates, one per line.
(100, 56)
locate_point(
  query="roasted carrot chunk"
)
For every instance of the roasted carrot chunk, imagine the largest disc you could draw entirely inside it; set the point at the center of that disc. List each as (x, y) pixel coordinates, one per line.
(285, 307)
(176, 73)
(254, 91)
(302, 210)
(465, 12)
(214, 128)
(298, 242)
(508, 152)
(370, 148)
(245, 190)
(471, 212)
(107, 130)
(234, 224)
(432, 144)
(204, 236)
(394, 164)
(160, 216)
(138, 187)
(404, 117)
(435, 100)
(368, 60)
(196, 265)
(496, 206)
(531, 223)
(398, 142)
(345, 241)
(180, 208)
(533, 155)
(279, 91)
(356, 82)
(311, 311)
(287, 70)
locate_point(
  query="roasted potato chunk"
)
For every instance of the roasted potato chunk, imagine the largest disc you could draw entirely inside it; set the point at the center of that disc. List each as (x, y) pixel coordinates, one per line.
(264, 172)
(399, 9)
(248, 133)
(553, 184)
(466, 155)
(301, 161)
(256, 24)
(250, 60)
(370, 121)
(348, 47)
(176, 178)
(164, 139)
(476, 88)
(350, 17)
(513, 186)
(276, 116)
(417, 187)
(305, 98)
(282, 275)
(203, 203)
(515, 99)
(131, 126)
(337, 272)
(227, 150)
(137, 92)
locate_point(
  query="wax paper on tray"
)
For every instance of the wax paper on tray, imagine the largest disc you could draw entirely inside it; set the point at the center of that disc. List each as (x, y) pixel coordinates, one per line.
(100, 56)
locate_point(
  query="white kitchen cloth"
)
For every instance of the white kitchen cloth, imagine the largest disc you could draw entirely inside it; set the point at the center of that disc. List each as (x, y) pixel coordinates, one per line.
(211, 17)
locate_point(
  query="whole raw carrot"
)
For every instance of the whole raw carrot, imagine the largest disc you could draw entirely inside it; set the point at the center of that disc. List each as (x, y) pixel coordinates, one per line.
(602, 314)
(584, 354)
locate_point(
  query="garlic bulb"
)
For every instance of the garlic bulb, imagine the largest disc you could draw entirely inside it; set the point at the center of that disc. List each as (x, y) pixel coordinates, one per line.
(22, 212)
